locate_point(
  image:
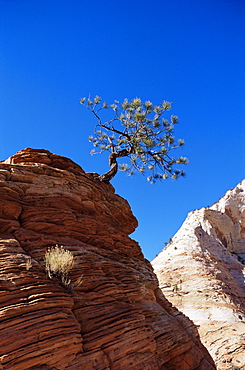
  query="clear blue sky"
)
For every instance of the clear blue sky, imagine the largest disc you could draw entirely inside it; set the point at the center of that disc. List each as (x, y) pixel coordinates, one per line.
(188, 52)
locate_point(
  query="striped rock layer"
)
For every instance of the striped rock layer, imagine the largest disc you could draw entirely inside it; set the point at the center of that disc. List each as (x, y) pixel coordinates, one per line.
(113, 314)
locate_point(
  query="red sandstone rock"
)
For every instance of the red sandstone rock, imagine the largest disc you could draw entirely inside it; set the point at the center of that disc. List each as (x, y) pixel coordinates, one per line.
(114, 316)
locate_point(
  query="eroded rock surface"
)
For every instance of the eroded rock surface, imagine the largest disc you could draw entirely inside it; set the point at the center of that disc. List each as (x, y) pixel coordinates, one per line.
(114, 316)
(202, 272)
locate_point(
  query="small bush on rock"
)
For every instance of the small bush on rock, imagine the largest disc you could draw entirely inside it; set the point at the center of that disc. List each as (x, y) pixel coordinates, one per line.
(58, 263)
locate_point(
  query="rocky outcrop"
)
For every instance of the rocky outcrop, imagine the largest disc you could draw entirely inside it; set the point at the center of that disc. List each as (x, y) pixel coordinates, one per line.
(202, 272)
(114, 315)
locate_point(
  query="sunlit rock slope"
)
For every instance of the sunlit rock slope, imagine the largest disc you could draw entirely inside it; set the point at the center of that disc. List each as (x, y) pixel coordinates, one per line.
(202, 272)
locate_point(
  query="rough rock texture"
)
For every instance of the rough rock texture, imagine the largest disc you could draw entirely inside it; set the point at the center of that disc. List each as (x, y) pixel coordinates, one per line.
(114, 316)
(202, 273)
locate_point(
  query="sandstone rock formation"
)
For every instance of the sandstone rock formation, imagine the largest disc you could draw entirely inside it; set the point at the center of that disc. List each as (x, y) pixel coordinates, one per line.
(114, 316)
(202, 273)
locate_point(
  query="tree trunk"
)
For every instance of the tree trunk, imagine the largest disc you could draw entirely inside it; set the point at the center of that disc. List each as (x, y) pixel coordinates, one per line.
(106, 177)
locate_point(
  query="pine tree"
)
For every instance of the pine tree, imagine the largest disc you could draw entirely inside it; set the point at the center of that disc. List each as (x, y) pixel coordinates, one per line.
(136, 130)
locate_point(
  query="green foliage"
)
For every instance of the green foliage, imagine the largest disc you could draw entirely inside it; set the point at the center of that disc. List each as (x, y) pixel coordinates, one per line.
(58, 263)
(138, 130)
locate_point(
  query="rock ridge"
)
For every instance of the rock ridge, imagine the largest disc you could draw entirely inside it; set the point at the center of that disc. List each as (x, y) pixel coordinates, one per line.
(202, 272)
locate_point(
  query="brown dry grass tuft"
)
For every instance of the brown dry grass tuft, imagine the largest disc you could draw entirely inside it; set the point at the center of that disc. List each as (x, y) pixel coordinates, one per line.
(58, 263)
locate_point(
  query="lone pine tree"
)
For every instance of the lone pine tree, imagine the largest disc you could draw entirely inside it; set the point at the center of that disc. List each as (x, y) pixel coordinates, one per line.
(136, 130)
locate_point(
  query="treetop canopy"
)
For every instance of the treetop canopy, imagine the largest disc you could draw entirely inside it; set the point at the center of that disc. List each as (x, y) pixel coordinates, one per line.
(137, 130)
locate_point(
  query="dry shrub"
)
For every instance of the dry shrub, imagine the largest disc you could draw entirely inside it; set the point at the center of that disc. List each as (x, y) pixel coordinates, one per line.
(58, 263)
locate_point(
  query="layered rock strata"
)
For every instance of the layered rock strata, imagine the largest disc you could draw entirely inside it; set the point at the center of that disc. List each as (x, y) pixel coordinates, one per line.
(202, 272)
(114, 315)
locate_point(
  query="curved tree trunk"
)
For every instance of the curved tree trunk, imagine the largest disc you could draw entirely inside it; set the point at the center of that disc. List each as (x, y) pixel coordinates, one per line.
(106, 177)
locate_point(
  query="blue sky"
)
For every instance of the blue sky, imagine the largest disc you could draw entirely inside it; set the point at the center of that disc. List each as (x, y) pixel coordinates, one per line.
(188, 52)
